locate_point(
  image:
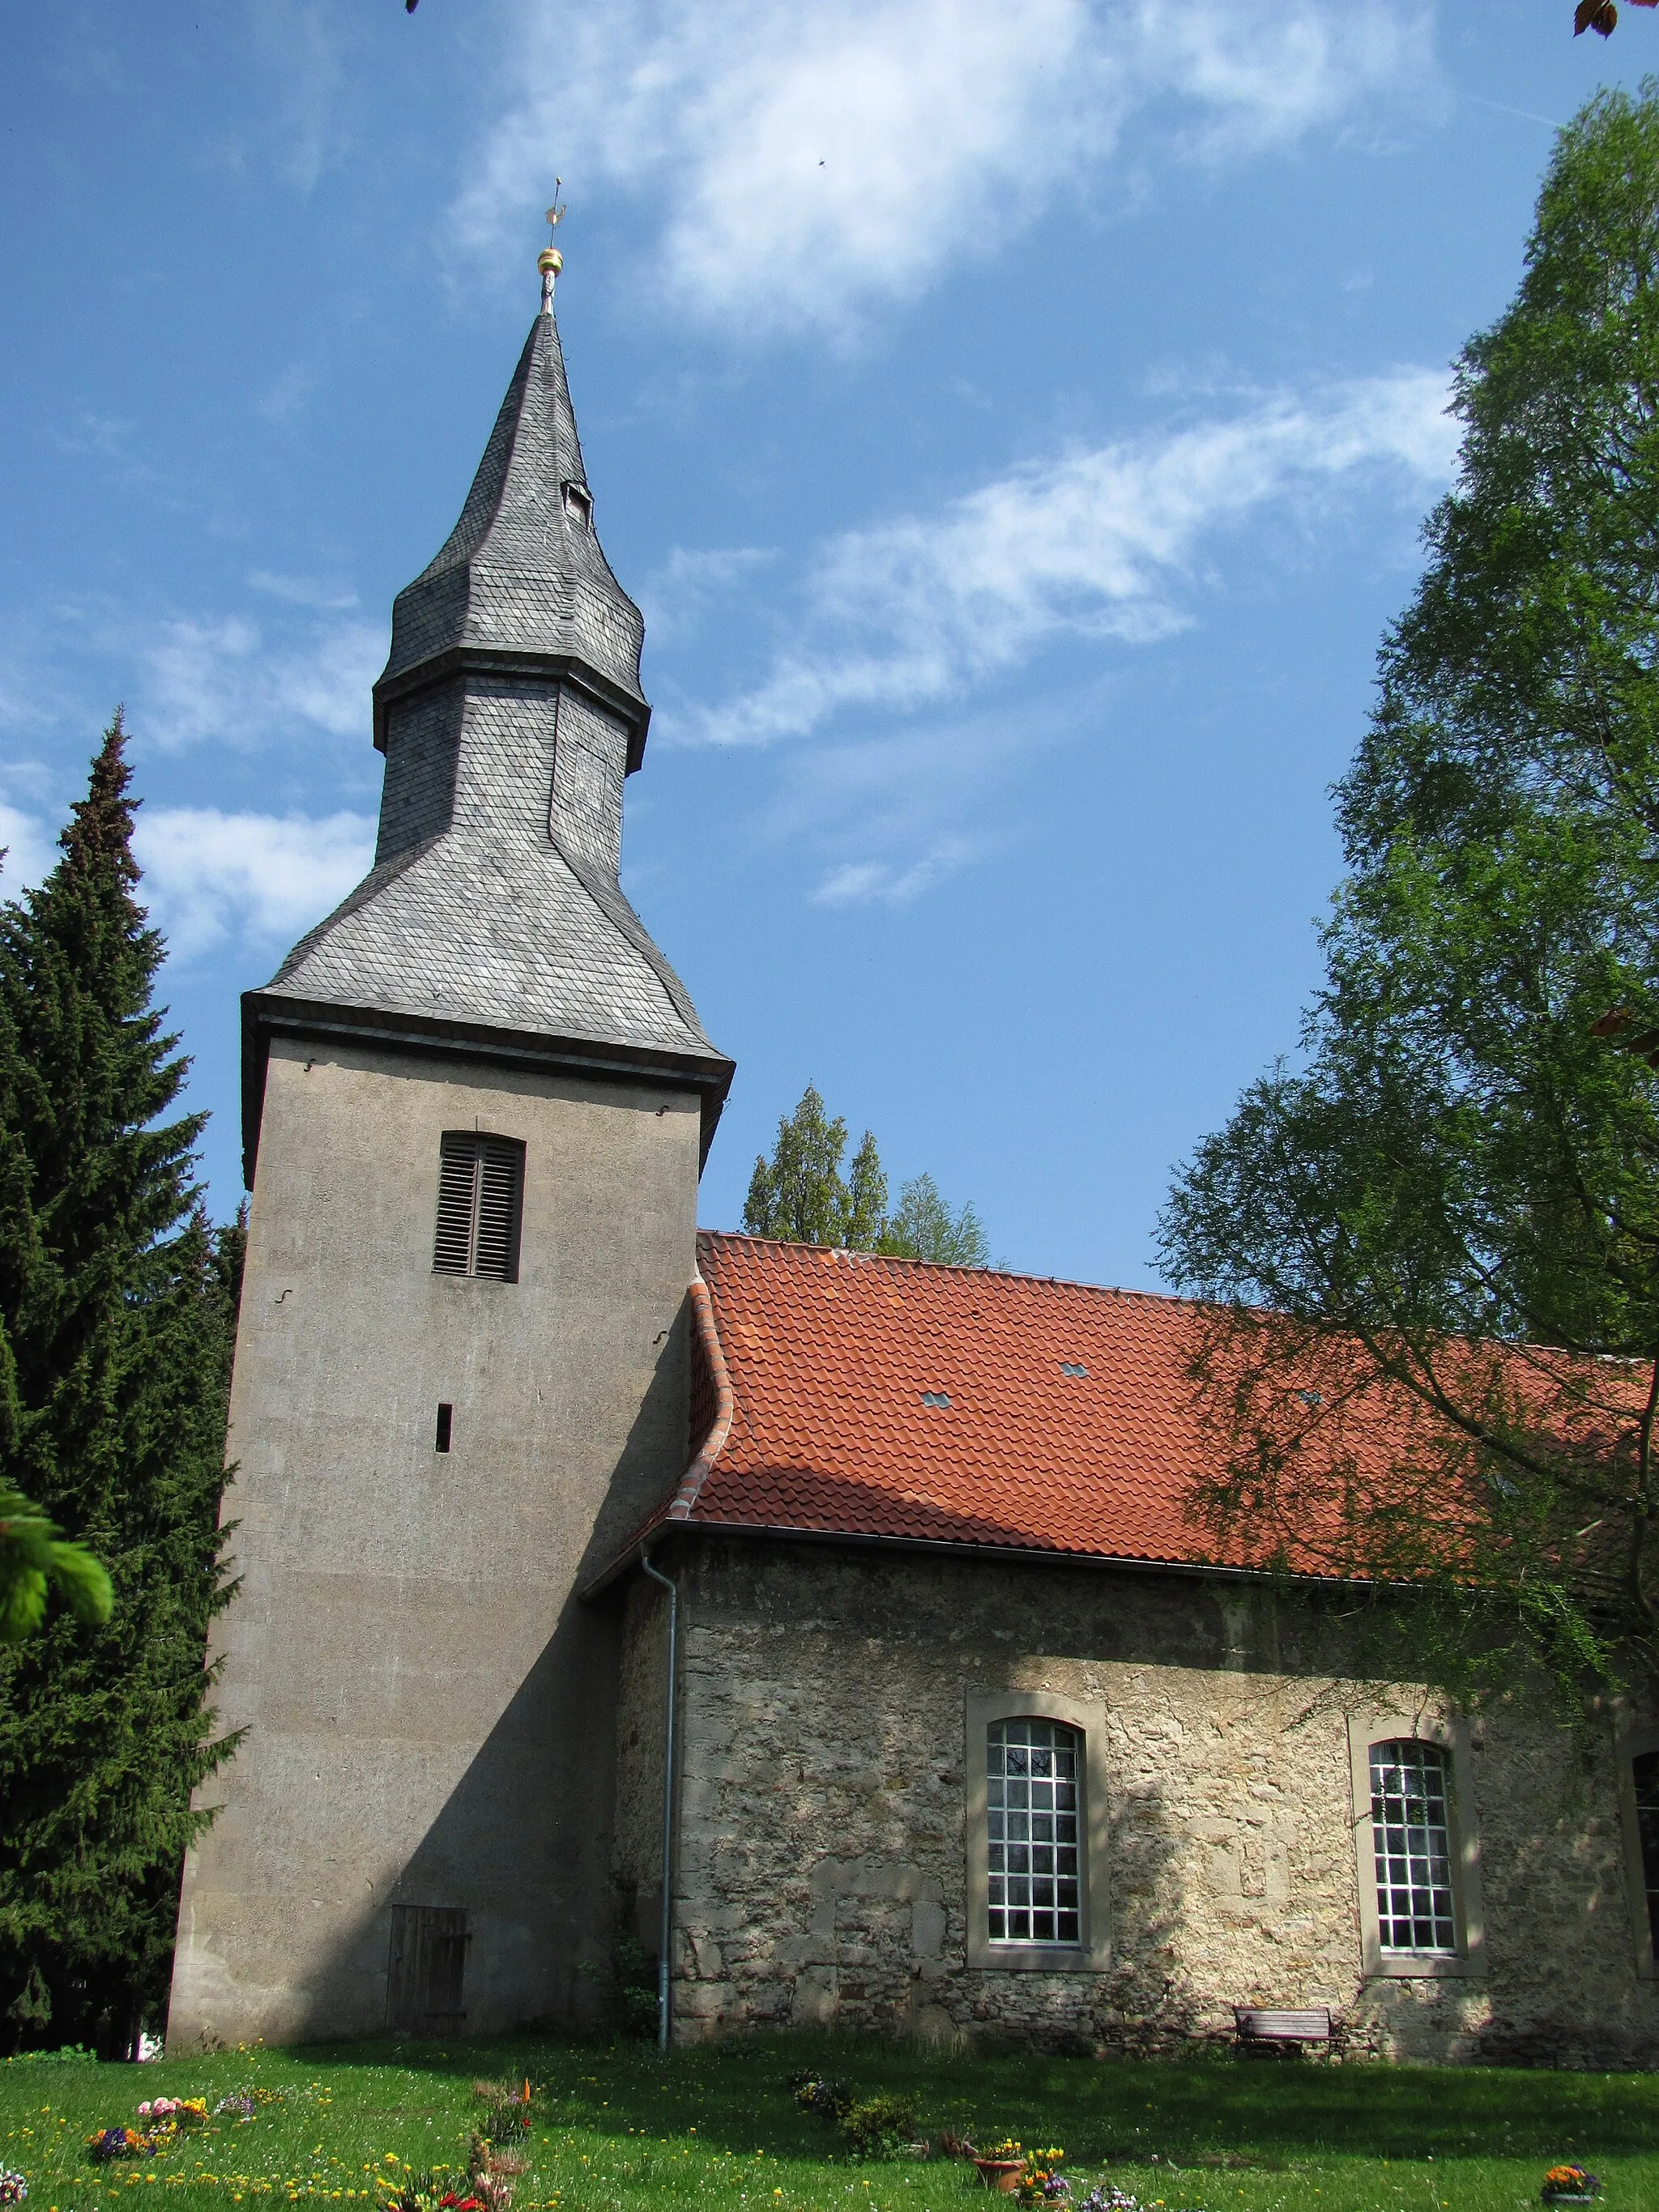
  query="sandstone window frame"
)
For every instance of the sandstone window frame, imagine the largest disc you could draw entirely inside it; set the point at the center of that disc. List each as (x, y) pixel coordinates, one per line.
(1632, 1742)
(1093, 1953)
(1380, 1724)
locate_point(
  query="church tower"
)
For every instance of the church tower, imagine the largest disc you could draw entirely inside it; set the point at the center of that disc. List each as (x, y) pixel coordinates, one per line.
(476, 1101)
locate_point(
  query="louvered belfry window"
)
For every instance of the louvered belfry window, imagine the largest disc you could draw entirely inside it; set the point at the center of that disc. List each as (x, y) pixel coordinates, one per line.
(480, 1197)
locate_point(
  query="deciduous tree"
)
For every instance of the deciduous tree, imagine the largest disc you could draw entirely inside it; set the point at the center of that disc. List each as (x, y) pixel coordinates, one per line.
(33, 1560)
(800, 1194)
(923, 1227)
(1455, 1168)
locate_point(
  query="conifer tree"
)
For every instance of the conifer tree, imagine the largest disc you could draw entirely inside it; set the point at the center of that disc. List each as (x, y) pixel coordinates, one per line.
(117, 1314)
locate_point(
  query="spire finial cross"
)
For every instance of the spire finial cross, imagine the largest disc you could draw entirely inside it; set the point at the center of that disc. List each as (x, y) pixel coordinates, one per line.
(550, 260)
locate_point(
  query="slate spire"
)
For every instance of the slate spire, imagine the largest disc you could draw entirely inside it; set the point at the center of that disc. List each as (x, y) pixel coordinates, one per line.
(509, 712)
(522, 573)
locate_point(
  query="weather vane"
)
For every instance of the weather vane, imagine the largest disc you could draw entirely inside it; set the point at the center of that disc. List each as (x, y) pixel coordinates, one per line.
(550, 261)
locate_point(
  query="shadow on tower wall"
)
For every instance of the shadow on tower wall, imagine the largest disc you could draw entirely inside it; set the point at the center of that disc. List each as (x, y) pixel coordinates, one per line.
(522, 1846)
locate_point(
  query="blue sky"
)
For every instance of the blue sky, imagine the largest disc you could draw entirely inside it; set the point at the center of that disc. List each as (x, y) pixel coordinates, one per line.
(1015, 420)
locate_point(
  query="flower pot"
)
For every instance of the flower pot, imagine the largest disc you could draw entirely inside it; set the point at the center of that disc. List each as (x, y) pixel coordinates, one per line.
(1001, 2174)
(1564, 2197)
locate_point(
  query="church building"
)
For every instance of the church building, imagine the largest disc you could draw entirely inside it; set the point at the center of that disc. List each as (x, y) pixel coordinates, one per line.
(836, 1615)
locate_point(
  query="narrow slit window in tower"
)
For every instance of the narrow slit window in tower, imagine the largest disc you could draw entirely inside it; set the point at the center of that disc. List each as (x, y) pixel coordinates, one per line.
(445, 1422)
(480, 1200)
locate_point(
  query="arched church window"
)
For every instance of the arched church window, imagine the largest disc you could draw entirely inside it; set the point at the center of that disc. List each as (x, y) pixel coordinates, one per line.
(1033, 1891)
(480, 1202)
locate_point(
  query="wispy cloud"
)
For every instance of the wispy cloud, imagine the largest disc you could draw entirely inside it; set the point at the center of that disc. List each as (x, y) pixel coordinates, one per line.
(893, 815)
(690, 581)
(302, 590)
(799, 164)
(211, 876)
(1105, 543)
(857, 883)
(217, 679)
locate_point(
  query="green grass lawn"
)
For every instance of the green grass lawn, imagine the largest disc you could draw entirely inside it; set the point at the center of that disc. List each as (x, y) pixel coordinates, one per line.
(614, 2128)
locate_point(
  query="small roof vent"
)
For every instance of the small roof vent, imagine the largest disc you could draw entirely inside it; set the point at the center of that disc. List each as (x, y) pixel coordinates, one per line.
(935, 1398)
(579, 504)
(1072, 1367)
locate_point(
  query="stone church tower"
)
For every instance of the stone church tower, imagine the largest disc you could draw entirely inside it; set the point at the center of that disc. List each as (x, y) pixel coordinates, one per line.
(476, 1098)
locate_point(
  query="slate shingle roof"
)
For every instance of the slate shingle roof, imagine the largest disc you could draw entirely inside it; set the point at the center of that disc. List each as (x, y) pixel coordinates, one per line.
(492, 922)
(510, 712)
(519, 572)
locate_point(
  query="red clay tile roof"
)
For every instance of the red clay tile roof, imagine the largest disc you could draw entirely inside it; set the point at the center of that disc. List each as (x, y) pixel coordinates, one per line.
(880, 1397)
(849, 1394)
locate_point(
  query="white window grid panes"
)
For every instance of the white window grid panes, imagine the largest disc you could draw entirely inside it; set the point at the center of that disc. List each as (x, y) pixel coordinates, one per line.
(1411, 1833)
(1031, 1823)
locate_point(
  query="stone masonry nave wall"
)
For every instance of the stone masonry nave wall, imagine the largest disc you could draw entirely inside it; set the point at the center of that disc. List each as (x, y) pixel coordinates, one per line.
(821, 1874)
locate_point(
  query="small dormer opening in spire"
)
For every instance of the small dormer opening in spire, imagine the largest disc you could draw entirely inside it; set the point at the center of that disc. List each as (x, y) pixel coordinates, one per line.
(579, 504)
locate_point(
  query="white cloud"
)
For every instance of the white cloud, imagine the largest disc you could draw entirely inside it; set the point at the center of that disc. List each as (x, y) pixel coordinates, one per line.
(799, 162)
(302, 590)
(1098, 545)
(860, 882)
(210, 876)
(30, 850)
(217, 679)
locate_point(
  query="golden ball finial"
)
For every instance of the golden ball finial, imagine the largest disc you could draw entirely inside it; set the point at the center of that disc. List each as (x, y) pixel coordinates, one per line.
(550, 261)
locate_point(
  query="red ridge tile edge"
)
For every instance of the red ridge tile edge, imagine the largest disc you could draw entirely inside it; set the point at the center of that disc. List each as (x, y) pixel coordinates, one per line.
(705, 1350)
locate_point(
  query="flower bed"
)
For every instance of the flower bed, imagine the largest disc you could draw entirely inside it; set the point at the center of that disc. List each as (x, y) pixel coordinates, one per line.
(1570, 2184)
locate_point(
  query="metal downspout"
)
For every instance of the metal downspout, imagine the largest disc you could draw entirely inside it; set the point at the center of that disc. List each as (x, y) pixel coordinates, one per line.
(666, 1933)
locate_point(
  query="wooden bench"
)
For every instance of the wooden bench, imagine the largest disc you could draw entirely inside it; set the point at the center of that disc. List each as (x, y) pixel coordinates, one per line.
(1258, 2024)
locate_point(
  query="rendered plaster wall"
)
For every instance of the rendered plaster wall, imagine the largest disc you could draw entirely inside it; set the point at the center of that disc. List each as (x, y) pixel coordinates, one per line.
(821, 1867)
(430, 1713)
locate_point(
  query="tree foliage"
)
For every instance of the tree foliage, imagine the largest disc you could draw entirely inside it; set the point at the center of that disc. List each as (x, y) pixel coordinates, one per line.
(800, 1194)
(1456, 1169)
(923, 1227)
(116, 1313)
(1602, 16)
(33, 1558)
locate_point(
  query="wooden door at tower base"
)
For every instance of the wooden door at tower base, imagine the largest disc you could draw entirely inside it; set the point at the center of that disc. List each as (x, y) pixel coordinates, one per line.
(427, 1971)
